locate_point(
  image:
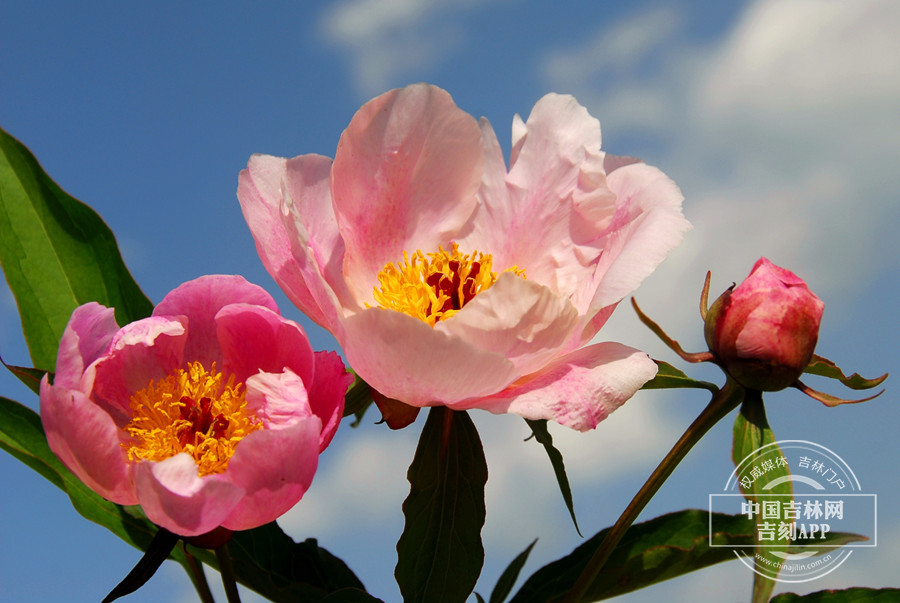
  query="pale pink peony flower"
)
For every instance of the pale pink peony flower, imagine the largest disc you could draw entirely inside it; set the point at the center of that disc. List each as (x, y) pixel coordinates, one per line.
(211, 412)
(764, 331)
(449, 280)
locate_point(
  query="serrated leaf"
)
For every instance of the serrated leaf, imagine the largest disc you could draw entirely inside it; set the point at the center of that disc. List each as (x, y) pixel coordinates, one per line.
(824, 367)
(440, 553)
(509, 576)
(650, 552)
(543, 437)
(57, 254)
(850, 595)
(669, 377)
(751, 432)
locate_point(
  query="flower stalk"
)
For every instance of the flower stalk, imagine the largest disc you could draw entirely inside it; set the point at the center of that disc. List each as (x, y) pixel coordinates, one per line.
(723, 402)
(226, 568)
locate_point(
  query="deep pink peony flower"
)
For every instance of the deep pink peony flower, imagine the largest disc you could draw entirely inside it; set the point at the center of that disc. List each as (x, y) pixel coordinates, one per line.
(449, 280)
(764, 331)
(212, 412)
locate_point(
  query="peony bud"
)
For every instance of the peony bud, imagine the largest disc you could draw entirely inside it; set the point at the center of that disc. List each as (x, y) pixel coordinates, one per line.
(764, 331)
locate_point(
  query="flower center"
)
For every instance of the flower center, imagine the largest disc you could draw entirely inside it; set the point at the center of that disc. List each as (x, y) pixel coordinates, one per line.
(434, 287)
(195, 411)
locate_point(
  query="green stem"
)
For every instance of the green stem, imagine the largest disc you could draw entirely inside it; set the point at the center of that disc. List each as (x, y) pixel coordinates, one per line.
(198, 576)
(723, 402)
(226, 568)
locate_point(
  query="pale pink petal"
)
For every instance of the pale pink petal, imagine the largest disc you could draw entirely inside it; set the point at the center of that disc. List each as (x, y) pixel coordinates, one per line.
(143, 351)
(556, 203)
(89, 332)
(494, 213)
(175, 497)
(404, 178)
(308, 211)
(327, 393)
(87, 441)
(279, 400)
(254, 339)
(577, 390)
(406, 359)
(648, 224)
(261, 192)
(516, 318)
(274, 468)
(200, 300)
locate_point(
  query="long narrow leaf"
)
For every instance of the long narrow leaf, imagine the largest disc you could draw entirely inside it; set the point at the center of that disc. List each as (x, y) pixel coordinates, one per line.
(510, 575)
(751, 432)
(850, 595)
(57, 254)
(440, 554)
(650, 552)
(543, 437)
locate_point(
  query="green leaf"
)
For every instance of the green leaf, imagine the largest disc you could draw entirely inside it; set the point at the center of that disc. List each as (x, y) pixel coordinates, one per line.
(850, 595)
(265, 559)
(510, 575)
(29, 376)
(357, 400)
(350, 595)
(159, 550)
(542, 435)
(268, 561)
(826, 368)
(22, 435)
(57, 254)
(669, 377)
(650, 552)
(752, 432)
(440, 554)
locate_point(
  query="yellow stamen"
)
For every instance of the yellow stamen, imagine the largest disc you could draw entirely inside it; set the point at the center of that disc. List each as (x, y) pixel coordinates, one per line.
(195, 411)
(435, 287)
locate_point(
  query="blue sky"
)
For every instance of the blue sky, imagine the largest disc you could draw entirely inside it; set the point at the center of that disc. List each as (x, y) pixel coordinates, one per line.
(777, 118)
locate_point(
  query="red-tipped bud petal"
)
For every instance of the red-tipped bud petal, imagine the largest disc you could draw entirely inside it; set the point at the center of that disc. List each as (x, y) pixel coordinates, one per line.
(764, 331)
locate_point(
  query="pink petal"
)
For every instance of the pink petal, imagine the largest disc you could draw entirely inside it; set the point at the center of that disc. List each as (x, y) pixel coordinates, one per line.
(404, 178)
(578, 390)
(87, 441)
(254, 339)
(647, 226)
(287, 204)
(556, 201)
(327, 392)
(407, 360)
(278, 399)
(200, 300)
(174, 496)
(89, 332)
(274, 468)
(261, 189)
(516, 318)
(142, 351)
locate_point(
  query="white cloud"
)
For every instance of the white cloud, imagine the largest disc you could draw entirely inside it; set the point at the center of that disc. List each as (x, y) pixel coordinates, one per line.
(781, 135)
(387, 39)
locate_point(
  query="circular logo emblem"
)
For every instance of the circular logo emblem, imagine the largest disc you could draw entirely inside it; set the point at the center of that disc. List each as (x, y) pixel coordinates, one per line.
(808, 509)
